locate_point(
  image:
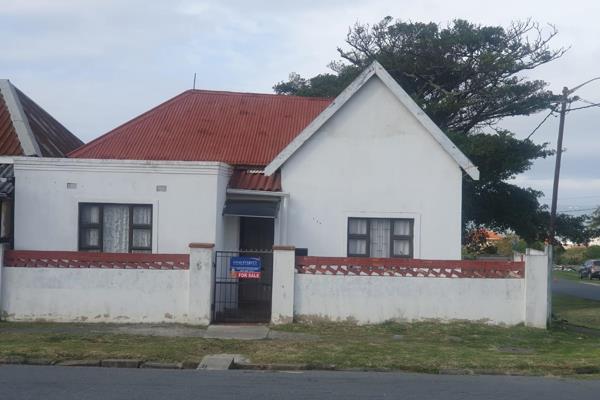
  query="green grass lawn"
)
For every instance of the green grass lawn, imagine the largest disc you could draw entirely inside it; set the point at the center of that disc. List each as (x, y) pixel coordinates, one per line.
(425, 346)
(576, 311)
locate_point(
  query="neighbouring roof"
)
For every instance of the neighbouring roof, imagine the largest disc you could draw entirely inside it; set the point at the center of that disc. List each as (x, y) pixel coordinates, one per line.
(493, 236)
(375, 69)
(199, 125)
(255, 180)
(26, 129)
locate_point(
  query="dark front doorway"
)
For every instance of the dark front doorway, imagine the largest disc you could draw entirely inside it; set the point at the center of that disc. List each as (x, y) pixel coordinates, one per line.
(257, 233)
(246, 300)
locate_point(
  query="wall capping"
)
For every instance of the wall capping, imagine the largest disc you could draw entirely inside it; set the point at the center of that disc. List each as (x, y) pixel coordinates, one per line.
(202, 245)
(284, 247)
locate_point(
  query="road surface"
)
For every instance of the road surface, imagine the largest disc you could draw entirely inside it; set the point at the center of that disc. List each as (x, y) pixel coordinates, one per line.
(69, 383)
(582, 289)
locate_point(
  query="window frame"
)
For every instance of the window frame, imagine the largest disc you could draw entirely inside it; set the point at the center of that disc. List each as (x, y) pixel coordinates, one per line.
(100, 226)
(393, 236)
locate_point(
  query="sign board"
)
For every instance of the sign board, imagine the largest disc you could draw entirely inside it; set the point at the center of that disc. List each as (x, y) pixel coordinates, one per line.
(245, 267)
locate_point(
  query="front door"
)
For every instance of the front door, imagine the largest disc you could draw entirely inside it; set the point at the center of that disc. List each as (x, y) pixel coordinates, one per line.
(257, 233)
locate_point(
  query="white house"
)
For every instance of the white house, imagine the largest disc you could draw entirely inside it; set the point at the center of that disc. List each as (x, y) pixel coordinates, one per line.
(365, 187)
(367, 174)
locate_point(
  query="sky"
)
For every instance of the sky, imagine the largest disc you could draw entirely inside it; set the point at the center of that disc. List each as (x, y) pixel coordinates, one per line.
(94, 64)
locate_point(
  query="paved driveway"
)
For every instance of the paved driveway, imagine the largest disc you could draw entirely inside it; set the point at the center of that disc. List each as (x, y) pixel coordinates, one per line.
(66, 383)
(581, 289)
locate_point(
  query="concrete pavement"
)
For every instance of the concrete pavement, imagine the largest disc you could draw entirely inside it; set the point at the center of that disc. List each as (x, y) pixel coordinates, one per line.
(67, 383)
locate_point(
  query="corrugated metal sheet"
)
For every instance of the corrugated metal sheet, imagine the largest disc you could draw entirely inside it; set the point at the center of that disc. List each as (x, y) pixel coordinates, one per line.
(52, 137)
(198, 125)
(9, 141)
(251, 180)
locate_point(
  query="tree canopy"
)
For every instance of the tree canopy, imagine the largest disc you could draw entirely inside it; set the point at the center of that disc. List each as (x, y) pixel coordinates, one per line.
(467, 78)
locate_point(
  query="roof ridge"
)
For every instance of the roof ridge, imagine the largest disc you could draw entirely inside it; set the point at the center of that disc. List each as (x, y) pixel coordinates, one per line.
(282, 96)
(141, 117)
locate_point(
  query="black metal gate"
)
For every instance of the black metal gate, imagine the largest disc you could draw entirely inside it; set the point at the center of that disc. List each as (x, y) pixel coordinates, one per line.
(238, 299)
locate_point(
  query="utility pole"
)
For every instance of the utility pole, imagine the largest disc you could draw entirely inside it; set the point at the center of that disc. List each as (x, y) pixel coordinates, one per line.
(561, 127)
(559, 143)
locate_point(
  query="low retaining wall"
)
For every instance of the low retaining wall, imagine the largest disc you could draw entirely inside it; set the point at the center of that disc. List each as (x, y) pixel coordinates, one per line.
(366, 290)
(95, 295)
(104, 287)
(375, 299)
(96, 287)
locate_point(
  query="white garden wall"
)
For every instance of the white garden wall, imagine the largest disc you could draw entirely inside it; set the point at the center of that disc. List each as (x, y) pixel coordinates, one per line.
(95, 295)
(376, 299)
(75, 292)
(371, 291)
(373, 158)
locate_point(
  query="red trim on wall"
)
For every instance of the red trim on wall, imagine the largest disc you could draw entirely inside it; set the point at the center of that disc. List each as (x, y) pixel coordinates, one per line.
(80, 259)
(360, 266)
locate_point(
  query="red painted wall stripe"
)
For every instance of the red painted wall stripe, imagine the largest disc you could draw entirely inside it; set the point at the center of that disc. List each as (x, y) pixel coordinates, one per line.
(358, 266)
(78, 259)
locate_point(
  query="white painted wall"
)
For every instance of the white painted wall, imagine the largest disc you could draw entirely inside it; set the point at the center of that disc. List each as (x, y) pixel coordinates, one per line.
(94, 295)
(538, 288)
(282, 306)
(46, 211)
(371, 299)
(373, 159)
(110, 295)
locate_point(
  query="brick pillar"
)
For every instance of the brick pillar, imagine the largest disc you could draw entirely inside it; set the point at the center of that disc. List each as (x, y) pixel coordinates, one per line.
(200, 289)
(538, 300)
(282, 306)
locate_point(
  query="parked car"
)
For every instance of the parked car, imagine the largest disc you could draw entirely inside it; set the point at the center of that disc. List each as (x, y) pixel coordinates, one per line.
(590, 269)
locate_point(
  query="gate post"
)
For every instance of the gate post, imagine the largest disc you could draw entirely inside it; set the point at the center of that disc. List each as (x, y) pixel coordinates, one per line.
(200, 289)
(282, 301)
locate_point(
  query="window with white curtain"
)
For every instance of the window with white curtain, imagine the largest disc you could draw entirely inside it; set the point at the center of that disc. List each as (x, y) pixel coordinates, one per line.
(380, 237)
(115, 228)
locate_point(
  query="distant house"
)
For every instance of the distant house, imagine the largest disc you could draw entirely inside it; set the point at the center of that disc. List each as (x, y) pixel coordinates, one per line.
(366, 174)
(26, 129)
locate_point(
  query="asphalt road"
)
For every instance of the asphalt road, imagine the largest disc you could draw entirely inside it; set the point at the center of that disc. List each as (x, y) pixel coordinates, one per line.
(66, 383)
(582, 289)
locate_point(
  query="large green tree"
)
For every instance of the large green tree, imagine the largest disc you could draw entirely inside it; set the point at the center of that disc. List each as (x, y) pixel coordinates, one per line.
(467, 78)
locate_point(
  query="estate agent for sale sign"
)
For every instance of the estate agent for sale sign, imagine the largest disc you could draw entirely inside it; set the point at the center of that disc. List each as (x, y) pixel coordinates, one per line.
(245, 267)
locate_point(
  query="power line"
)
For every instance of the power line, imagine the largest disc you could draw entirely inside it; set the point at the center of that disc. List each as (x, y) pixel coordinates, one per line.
(582, 107)
(540, 124)
(552, 113)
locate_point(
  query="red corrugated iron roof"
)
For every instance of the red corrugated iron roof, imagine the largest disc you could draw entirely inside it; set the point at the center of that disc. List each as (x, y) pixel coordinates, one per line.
(255, 180)
(9, 141)
(199, 125)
